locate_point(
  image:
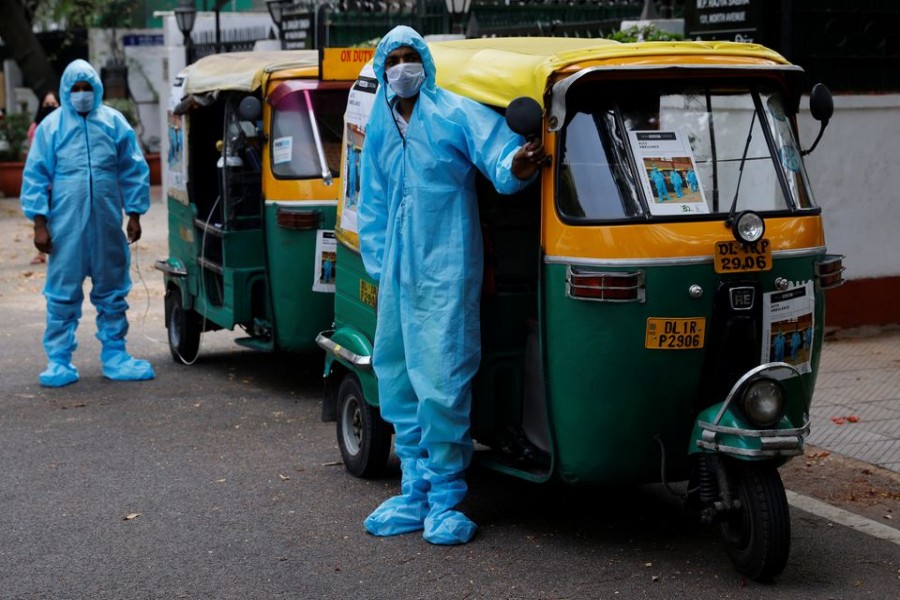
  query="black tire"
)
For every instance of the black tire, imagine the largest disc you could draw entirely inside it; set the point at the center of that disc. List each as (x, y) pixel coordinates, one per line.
(183, 327)
(757, 536)
(363, 436)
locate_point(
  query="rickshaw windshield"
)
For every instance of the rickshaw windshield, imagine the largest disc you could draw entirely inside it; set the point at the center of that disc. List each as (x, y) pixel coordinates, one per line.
(294, 153)
(672, 150)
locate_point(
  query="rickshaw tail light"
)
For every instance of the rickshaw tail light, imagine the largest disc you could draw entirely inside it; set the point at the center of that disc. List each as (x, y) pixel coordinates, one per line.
(605, 286)
(298, 219)
(829, 271)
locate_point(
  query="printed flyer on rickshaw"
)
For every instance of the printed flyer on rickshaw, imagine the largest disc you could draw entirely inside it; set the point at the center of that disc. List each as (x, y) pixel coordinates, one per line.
(788, 326)
(325, 262)
(359, 106)
(669, 174)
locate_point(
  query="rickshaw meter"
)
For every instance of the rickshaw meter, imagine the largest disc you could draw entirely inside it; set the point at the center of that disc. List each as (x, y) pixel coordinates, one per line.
(763, 402)
(748, 227)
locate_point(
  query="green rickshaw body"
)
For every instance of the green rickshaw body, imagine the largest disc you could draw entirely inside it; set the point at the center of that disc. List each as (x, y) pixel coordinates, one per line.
(653, 305)
(599, 367)
(623, 319)
(253, 182)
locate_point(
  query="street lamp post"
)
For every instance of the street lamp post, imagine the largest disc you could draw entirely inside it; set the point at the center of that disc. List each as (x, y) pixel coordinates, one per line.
(276, 11)
(458, 9)
(185, 15)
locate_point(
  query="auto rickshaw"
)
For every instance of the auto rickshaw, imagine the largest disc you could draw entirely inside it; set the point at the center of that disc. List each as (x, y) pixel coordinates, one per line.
(254, 162)
(652, 307)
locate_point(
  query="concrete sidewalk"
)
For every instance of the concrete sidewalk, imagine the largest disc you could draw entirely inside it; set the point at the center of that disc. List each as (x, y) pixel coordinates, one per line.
(856, 404)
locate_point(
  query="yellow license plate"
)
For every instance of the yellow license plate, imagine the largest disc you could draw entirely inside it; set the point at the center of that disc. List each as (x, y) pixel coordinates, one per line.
(675, 334)
(368, 293)
(734, 257)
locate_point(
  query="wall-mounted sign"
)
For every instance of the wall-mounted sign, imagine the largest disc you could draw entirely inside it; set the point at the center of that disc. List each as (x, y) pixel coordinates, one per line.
(733, 20)
(297, 30)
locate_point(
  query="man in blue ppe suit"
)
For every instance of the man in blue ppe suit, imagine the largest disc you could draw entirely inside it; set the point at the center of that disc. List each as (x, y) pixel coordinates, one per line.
(89, 154)
(660, 181)
(421, 240)
(677, 183)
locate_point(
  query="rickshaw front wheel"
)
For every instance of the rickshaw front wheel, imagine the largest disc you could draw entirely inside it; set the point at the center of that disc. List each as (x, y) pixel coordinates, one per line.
(183, 328)
(757, 535)
(363, 436)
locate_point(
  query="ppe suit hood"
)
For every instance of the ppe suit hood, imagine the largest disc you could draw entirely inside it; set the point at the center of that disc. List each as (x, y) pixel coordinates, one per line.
(395, 38)
(79, 70)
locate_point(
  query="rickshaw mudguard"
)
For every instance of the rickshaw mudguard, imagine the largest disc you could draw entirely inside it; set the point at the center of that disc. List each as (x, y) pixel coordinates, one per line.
(734, 436)
(175, 273)
(353, 351)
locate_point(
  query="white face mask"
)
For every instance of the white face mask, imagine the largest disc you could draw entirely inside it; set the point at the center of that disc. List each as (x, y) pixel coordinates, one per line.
(83, 101)
(406, 79)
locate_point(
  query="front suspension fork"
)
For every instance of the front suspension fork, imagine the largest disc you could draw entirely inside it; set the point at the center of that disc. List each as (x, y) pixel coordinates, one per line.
(714, 488)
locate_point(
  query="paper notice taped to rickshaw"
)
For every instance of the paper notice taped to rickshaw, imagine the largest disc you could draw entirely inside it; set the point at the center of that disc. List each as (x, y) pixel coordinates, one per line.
(359, 107)
(325, 267)
(668, 172)
(788, 326)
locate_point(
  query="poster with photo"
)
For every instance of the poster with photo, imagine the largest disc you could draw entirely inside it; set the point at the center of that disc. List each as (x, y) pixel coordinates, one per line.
(359, 107)
(668, 172)
(788, 326)
(177, 158)
(325, 267)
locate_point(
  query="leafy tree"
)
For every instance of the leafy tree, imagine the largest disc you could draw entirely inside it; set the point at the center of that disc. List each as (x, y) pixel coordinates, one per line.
(20, 17)
(647, 33)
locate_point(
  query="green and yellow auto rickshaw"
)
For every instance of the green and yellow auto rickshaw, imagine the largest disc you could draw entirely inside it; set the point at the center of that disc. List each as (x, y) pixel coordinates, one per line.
(254, 162)
(653, 306)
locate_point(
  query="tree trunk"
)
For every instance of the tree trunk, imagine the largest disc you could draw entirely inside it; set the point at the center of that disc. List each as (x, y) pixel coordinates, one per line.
(18, 35)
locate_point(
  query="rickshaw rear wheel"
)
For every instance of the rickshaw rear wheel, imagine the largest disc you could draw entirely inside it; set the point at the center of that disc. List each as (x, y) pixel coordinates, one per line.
(183, 328)
(757, 535)
(363, 436)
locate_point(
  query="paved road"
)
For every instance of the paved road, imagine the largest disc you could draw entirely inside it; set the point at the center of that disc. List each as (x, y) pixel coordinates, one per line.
(238, 492)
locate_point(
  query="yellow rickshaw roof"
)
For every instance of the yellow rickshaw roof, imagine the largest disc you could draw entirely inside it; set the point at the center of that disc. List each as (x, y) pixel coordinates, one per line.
(242, 71)
(497, 70)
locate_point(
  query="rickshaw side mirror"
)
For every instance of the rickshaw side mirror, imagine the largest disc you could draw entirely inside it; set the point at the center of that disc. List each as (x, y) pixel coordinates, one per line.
(525, 117)
(250, 109)
(821, 106)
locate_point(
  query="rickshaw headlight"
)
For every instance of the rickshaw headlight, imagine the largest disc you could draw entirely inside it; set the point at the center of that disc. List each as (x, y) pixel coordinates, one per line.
(763, 402)
(748, 227)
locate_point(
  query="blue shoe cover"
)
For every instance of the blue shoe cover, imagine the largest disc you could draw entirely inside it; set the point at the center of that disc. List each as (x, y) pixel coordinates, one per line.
(448, 528)
(58, 375)
(397, 515)
(121, 366)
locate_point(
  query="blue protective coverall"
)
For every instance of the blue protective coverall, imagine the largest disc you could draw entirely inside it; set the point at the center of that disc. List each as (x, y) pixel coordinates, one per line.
(677, 183)
(420, 238)
(96, 170)
(692, 180)
(660, 182)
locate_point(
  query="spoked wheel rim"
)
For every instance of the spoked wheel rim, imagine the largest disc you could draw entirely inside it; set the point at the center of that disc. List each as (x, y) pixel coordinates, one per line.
(352, 427)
